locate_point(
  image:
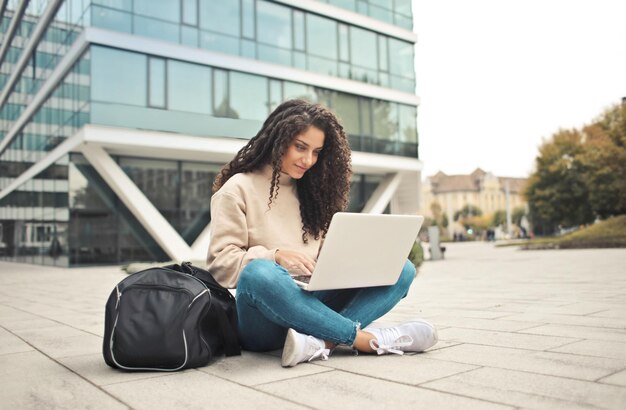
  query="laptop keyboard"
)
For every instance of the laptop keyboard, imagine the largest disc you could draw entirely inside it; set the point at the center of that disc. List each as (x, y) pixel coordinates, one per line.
(302, 278)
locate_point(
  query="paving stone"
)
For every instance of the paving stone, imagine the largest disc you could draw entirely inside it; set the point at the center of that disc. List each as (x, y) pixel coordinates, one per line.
(194, 390)
(93, 368)
(62, 341)
(549, 363)
(593, 321)
(35, 323)
(481, 324)
(531, 390)
(407, 369)
(253, 368)
(615, 350)
(617, 378)
(341, 390)
(9, 343)
(578, 332)
(613, 312)
(32, 381)
(562, 308)
(503, 339)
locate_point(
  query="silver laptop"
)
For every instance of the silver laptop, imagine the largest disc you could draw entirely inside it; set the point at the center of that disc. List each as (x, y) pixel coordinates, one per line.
(362, 250)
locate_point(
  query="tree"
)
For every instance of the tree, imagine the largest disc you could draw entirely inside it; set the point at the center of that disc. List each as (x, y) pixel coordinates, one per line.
(604, 159)
(498, 218)
(556, 192)
(467, 211)
(440, 219)
(517, 215)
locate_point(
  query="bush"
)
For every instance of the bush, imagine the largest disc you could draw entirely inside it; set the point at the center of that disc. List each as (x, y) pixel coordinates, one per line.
(416, 256)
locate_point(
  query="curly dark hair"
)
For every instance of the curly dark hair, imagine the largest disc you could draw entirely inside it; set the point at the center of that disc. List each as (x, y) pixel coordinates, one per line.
(324, 188)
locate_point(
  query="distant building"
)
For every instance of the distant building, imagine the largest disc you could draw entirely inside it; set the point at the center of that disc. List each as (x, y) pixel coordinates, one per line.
(115, 116)
(481, 189)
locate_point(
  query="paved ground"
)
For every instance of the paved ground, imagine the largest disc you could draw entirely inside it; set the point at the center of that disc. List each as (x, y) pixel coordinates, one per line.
(518, 329)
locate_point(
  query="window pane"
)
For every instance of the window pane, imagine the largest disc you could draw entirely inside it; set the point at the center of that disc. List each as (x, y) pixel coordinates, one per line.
(346, 4)
(190, 12)
(297, 90)
(157, 82)
(403, 7)
(118, 76)
(408, 123)
(218, 42)
(274, 54)
(115, 4)
(274, 23)
(366, 117)
(385, 120)
(247, 16)
(402, 58)
(321, 35)
(220, 16)
(276, 94)
(382, 53)
(189, 87)
(248, 96)
(361, 50)
(220, 95)
(159, 181)
(347, 108)
(110, 19)
(156, 29)
(162, 9)
(298, 30)
(344, 43)
(189, 36)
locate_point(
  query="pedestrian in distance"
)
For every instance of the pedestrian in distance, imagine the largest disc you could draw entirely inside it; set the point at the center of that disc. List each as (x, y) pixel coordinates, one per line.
(271, 208)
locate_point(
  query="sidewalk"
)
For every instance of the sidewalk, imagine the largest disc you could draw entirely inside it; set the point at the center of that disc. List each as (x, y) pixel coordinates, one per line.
(518, 329)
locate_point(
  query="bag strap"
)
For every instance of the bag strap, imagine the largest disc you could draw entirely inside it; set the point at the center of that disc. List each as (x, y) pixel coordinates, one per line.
(227, 321)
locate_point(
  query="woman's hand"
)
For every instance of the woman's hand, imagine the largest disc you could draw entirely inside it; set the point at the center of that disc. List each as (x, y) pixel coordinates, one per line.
(295, 261)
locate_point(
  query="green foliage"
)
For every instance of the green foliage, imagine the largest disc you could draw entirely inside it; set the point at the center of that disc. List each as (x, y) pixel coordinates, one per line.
(556, 191)
(467, 211)
(604, 158)
(610, 233)
(517, 215)
(439, 218)
(498, 218)
(580, 175)
(416, 256)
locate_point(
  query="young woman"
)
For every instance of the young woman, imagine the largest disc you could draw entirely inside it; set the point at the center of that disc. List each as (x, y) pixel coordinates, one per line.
(270, 211)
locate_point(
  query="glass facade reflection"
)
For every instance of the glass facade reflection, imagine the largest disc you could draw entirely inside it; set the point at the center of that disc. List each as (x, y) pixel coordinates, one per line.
(66, 214)
(274, 32)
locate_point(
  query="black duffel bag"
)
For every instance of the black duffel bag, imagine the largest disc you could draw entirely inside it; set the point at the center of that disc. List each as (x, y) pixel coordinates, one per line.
(169, 318)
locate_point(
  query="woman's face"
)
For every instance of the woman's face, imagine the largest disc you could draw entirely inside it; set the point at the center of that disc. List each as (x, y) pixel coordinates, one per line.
(302, 152)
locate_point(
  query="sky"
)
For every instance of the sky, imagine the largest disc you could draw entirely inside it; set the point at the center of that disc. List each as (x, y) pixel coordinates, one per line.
(497, 77)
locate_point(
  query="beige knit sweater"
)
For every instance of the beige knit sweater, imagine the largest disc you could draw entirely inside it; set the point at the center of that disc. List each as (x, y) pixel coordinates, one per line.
(243, 229)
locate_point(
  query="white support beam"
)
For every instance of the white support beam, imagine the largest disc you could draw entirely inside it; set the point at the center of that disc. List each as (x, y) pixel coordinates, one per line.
(383, 194)
(53, 156)
(29, 49)
(145, 212)
(18, 14)
(200, 247)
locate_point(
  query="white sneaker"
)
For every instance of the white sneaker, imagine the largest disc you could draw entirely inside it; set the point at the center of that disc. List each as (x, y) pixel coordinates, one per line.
(302, 348)
(414, 336)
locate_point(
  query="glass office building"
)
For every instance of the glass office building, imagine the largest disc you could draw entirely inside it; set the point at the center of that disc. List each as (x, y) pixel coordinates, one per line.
(116, 115)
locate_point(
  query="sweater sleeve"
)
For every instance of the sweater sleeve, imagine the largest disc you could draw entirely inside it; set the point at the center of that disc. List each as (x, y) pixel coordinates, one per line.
(228, 250)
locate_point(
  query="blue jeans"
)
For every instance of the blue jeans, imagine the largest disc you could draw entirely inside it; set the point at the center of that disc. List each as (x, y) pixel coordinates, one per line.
(269, 303)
